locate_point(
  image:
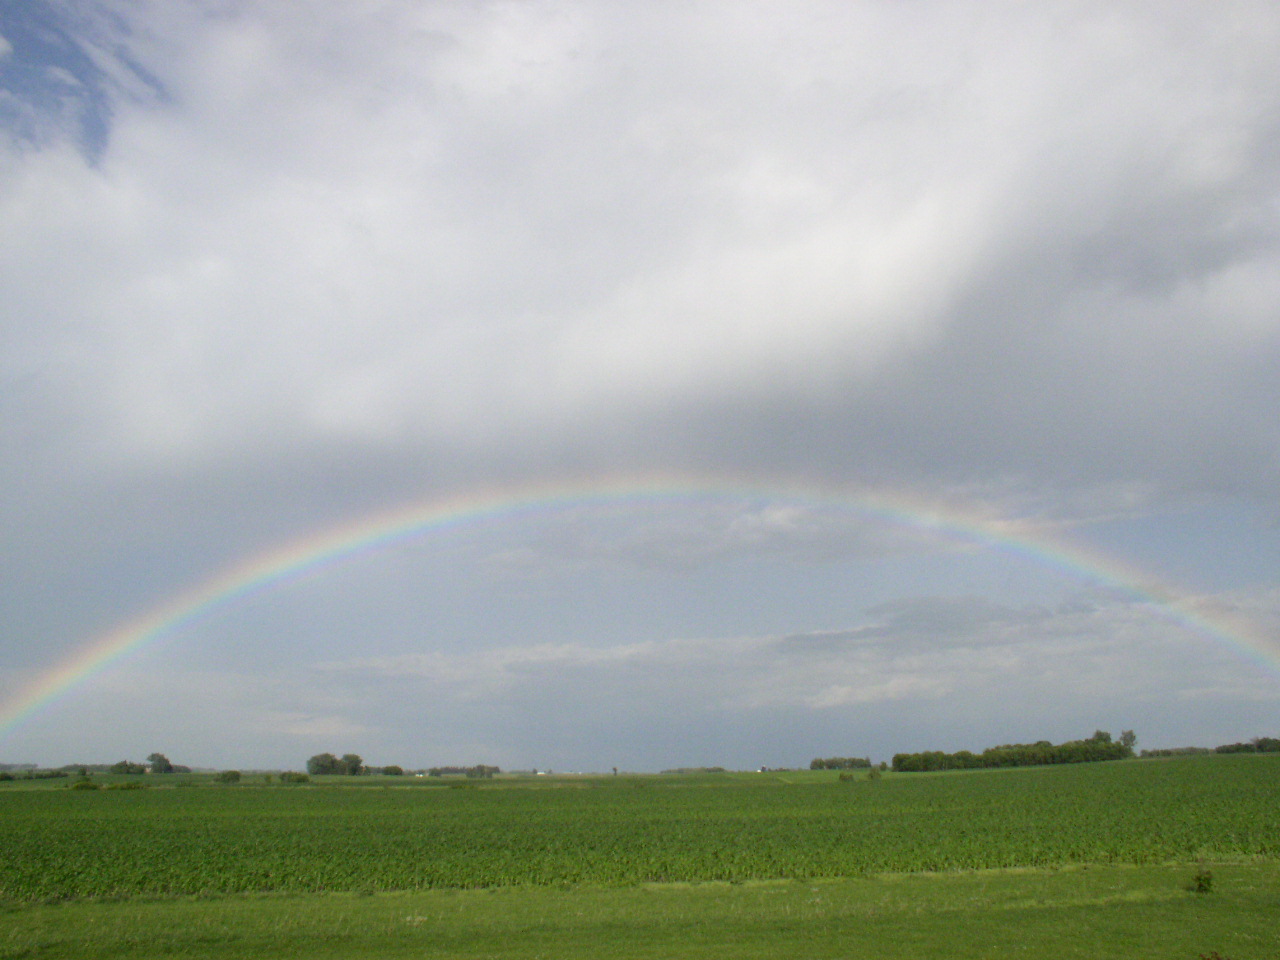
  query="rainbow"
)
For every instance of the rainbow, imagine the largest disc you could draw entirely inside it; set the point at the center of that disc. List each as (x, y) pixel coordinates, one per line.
(382, 530)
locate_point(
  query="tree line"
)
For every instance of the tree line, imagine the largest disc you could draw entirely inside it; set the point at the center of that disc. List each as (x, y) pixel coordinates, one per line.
(1096, 748)
(1256, 745)
(353, 765)
(840, 763)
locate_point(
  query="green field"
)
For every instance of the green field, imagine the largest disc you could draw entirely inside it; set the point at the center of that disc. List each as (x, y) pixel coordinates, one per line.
(1095, 859)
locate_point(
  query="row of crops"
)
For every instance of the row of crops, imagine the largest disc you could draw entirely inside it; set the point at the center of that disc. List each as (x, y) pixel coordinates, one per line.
(61, 844)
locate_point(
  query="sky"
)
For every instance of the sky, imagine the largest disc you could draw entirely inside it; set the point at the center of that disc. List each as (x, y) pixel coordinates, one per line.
(578, 385)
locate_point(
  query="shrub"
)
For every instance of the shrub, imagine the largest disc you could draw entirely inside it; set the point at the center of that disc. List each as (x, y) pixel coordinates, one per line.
(84, 785)
(228, 776)
(1202, 882)
(290, 776)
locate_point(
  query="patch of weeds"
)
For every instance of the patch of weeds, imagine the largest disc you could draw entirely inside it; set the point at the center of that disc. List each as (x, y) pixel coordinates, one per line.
(1202, 882)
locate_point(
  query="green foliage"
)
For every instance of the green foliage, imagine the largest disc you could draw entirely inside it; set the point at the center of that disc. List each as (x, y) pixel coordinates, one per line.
(1256, 745)
(1098, 747)
(289, 776)
(1175, 752)
(31, 773)
(322, 764)
(602, 831)
(479, 771)
(160, 763)
(127, 767)
(1202, 882)
(228, 776)
(393, 771)
(84, 785)
(840, 763)
(1102, 913)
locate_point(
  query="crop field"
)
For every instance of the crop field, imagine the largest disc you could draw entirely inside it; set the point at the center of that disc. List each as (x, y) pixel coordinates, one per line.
(218, 849)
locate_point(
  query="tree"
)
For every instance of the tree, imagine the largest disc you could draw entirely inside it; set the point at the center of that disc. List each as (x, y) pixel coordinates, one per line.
(160, 763)
(323, 763)
(351, 764)
(1128, 738)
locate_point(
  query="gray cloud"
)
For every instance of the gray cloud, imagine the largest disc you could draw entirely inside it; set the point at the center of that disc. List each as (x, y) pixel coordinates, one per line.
(954, 251)
(264, 273)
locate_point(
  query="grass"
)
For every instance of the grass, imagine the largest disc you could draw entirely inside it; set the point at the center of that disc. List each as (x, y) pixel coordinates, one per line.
(1090, 913)
(1167, 859)
(65, 844)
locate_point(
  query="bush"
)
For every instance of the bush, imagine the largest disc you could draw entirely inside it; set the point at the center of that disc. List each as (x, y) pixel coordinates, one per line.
(228, 776)
(1202, 882)
(84, 785)
(290, 776)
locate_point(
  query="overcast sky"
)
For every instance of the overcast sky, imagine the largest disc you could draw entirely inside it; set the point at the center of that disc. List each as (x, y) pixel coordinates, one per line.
(266, 271)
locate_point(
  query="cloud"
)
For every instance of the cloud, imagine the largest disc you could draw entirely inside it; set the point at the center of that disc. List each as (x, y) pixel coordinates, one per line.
(319, 729)
(925, 649)
(266, 273)
(434, 237)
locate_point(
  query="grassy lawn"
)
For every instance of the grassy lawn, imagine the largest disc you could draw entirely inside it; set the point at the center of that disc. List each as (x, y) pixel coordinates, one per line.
(1093, 912)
